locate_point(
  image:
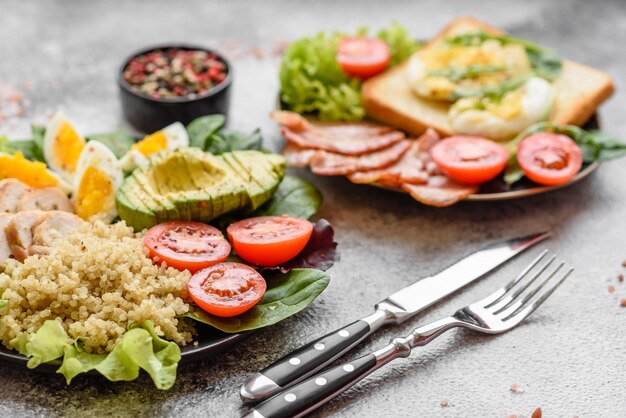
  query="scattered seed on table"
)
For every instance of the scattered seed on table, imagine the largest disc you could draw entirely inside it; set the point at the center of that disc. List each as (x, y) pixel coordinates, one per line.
(611, 289)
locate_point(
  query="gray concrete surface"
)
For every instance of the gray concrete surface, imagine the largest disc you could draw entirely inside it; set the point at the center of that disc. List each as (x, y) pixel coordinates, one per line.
(569, 357)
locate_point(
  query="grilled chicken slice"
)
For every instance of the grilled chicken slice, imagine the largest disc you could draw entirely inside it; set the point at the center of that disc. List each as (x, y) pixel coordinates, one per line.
(19, 232)
(11, 191)
(348, 138)
(5, 248)
(46, 199)
(52, 226)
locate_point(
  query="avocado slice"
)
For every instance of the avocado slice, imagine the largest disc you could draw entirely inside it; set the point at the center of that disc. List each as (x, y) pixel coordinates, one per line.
(188, 184)
(266, 172)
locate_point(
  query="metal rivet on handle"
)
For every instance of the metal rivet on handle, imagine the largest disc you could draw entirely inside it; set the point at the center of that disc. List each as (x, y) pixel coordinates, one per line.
(319, 346)
(344, 333)
(290, 397)
(294, 361)
(348, 368)
(320, 381)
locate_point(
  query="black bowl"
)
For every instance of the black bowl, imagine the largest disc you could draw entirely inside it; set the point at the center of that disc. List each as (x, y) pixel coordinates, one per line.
(148, 114)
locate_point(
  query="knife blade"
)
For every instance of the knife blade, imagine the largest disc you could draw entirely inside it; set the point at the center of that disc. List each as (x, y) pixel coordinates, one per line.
(395, 309)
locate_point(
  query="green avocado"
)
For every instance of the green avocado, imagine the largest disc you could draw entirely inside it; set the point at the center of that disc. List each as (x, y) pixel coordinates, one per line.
(189, 184)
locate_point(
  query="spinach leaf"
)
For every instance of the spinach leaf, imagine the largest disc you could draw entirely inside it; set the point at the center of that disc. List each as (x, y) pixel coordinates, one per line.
(119, 142)
(201, 129)
(286, 295)
(294, 197)
(32, 148)
(38, 133)
(226, 141)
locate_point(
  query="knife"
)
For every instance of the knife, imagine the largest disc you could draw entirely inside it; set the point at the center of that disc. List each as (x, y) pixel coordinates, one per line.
(395, 309)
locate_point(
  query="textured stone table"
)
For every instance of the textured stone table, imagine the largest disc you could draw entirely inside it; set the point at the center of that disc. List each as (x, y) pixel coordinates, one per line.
(568, 358)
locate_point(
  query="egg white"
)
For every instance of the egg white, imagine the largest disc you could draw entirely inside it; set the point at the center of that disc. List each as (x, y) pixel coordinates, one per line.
(99, 156)
(537, 99)
(176, 137)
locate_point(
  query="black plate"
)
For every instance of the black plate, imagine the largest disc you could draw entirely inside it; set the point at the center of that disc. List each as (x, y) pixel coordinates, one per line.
(210, 342)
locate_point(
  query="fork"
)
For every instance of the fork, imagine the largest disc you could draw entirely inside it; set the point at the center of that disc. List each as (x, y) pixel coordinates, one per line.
(497, 313)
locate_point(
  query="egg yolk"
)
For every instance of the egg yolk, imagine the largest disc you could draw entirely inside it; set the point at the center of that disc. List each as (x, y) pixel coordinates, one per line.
(512, 59)
(67, 147)
(33, 173)
(152, 143)
(95, 193)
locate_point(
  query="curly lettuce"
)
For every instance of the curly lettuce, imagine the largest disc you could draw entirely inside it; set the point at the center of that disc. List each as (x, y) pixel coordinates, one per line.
(313, 82)
(140, 348)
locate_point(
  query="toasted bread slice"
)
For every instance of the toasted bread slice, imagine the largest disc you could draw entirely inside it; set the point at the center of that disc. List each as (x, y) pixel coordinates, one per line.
(389, 98)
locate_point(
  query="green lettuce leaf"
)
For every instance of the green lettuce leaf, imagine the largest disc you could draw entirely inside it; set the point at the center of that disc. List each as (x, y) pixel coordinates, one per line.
(45, 345)
(140, 348)
(286, 295)
(313, 82)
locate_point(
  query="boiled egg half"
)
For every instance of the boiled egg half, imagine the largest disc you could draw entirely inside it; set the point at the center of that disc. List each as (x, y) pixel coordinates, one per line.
(62, 146)
(170, 138)
(503, 119)
(97, 179)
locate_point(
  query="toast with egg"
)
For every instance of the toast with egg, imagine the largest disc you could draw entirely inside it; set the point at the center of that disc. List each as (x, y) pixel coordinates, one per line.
(389, 98)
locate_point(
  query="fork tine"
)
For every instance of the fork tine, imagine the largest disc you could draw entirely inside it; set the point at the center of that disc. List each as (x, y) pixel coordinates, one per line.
(520, 300)
(519, 287)
(497, 296)
(527, 307)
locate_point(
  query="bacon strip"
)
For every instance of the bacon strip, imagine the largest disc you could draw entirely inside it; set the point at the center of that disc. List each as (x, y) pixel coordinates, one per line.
(412, 168)
(440, 191)
(297, 156)
(349, 138)
(330, 164)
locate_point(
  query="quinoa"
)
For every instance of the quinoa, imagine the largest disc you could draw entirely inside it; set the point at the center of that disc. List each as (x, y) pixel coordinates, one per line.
(96, 282)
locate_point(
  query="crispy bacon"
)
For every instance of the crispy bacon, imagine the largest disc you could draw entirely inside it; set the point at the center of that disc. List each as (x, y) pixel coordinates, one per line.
(330, 164)
(412, 168)
(349, 138)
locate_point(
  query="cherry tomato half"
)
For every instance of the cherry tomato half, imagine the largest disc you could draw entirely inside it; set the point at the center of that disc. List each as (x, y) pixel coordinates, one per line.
(226, 289)
(549, 158)
(470, 159)
(362, 57)
(269, 240)
(187, 245)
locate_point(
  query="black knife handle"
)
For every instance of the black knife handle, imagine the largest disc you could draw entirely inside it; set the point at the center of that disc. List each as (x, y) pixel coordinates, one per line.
(315, 391)
(316, 354)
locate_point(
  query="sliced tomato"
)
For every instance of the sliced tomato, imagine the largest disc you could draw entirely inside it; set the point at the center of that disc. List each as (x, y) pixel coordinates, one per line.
(363, 57)
(269, 240)
(226, 289)
(470, 159)
(186, 245)
(549, 158)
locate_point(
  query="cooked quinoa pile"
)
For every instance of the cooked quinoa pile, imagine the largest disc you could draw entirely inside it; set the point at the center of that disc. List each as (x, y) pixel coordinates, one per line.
(96, 281)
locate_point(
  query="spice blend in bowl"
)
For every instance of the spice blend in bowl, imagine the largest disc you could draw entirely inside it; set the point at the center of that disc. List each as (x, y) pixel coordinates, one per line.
(173, 83)
(175, 73)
